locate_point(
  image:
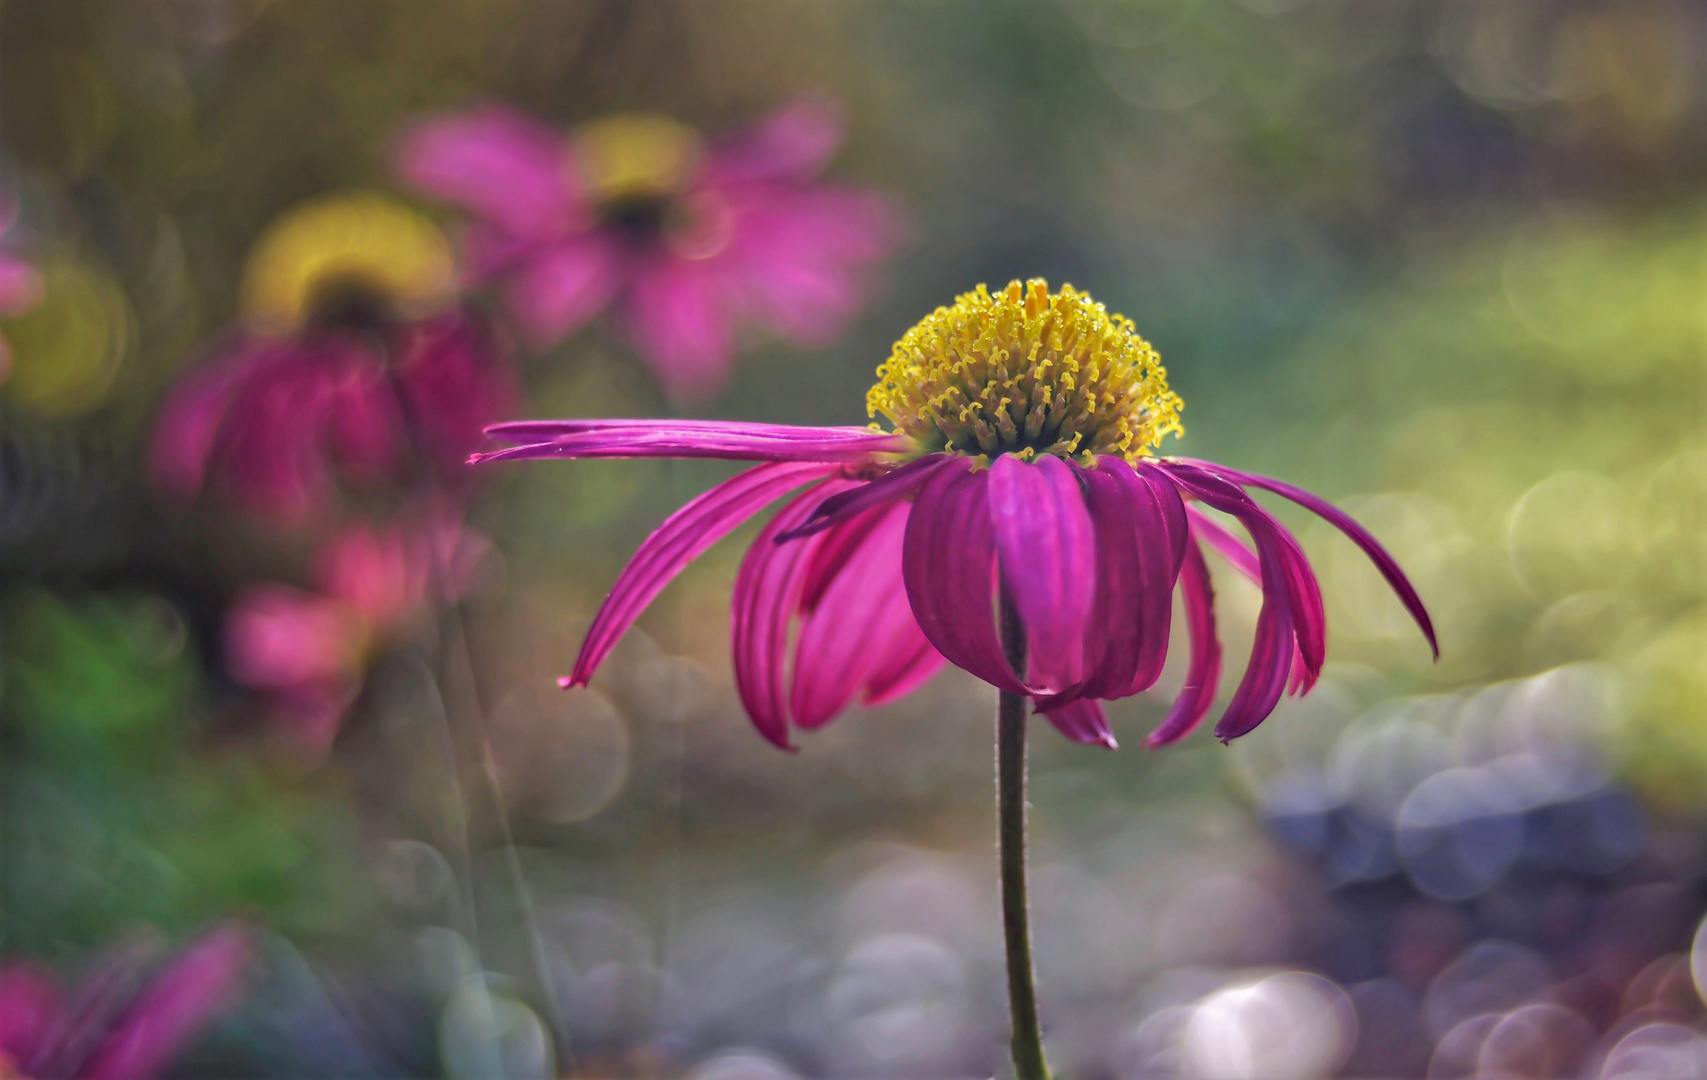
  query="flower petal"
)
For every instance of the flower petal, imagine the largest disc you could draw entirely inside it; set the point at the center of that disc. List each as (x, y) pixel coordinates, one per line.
(1083, 721)
(558, 288)
(905, 663)
(1339, 519)
(193, 989)
(29, 1004)
(861, 610)
(669, 440)
(678, 541)
(1140, 534)
(792, 144)
(496, 162)
(767, 594)
(541, 430)
(948, 563)
(1047, 549)
(1204, 672)
(898, 483)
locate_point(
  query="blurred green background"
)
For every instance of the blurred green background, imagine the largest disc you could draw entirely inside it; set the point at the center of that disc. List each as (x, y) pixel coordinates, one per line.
(1442, 262)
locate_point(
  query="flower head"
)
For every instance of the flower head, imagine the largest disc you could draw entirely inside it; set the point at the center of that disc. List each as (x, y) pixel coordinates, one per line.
(1021, 469)
(114, 1028)
(307, 650)
(353, 358)
(686, 238)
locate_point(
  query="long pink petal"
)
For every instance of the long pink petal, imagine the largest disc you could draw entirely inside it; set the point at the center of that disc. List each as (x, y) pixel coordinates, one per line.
(1047, 549)
(1083, 721)
(1140, 529)
(683, 537)
(642, 443)
(1203, 675)
(862, 608)
(898, 483)
(1225, 544)
(496, 162)
(1276, 636)
(194, 988)
(767, 593)
(949, 564)
(544, 430)
(558, 288)
(907, 662)
(29, 1004)
(792, 144)
(1339, 519)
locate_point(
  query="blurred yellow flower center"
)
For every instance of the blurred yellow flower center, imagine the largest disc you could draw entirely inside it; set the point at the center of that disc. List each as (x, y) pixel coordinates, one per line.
(634, 156)
(361, 247)
(1027, 372)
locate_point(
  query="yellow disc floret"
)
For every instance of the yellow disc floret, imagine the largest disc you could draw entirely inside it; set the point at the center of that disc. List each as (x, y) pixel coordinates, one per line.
(634, 156)
(1027, 372)
(358, 242)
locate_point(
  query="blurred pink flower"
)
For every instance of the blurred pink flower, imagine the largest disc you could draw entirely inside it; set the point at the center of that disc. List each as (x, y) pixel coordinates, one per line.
(685, 240)
(20, 285)
(308, 650)
(1021, 467)
(353, 358)
(109, 1029)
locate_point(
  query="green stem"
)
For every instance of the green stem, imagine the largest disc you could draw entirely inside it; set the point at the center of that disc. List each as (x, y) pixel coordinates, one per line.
(1010, 811)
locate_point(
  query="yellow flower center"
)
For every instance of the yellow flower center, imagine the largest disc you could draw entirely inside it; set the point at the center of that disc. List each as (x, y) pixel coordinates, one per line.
(1026, 372)
(352, 250)
(634, 157)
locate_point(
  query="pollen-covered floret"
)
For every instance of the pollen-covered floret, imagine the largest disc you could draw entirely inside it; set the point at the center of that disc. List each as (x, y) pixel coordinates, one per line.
(1027, 372)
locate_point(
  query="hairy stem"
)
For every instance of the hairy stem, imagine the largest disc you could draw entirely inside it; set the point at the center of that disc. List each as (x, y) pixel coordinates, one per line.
(1010, 812)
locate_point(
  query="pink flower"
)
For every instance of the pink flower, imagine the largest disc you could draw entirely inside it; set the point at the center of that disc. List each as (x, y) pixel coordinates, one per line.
(110, 1030)
(686, 241)
(308, 650)
(1020, 467)
(352, 361)
(21, 286)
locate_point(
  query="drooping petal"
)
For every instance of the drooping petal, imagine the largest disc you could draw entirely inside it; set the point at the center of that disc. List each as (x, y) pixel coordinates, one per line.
(29, 1005)
(1225, 544)
(277, 638)
(544, 430)
(678, 314)
(496, 162)
(669, 440)
(905, 664)
(860, 610)
(792, 144)
(188, 427)
(1047, 549)
(456, 379)
(1083, 721)
(1203, 674)
(949, 564)
(558, 288)
(767, 594)
(193, 989)
(1140, 543)
(683, 537)
(1339, 519)
(898, 483)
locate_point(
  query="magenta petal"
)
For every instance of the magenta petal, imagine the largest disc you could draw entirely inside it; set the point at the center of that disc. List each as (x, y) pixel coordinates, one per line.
(1083, 721)
(948, 563)
(1140, 533)
(21, 287)
(1383, 560)
(278, 637)
(678, 314)
(898, 483)
(906, 663)
(1225, 544)
(683, 537)
(1203, 674)
(29, 1005)
(767, 593)
(794, 143)
(496, 162)
(195, 988)
(542, 430)
(667, 440)
(862, 607)
(558, 288)
(1047, 549)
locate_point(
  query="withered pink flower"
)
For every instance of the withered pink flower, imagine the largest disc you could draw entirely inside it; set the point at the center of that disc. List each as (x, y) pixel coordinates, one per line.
(308, 650)
(1020, 467)
(112, 1028)
(354, 361)
(685, 239)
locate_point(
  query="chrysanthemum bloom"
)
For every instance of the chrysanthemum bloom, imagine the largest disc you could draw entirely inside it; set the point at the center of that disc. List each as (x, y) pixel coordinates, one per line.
(354, 360)
(1020, 479)
(20, 284)
(685, 239)
(113, 1028)
(309, 650)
